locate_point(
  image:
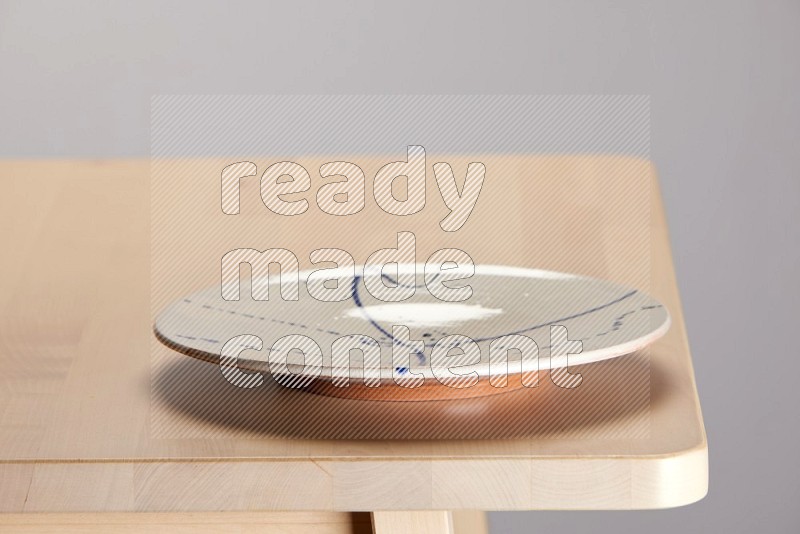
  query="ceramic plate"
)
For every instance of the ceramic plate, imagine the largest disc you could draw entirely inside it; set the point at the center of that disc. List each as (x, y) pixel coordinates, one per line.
(608, 319)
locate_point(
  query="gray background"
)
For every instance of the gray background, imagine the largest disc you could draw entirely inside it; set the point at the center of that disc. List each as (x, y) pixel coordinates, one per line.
(76, 81)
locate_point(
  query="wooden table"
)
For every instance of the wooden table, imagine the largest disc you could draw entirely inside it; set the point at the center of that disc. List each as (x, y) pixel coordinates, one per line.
(88, 440)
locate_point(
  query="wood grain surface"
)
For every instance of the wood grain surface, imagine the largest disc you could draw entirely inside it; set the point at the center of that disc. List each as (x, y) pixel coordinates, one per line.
(89, 418)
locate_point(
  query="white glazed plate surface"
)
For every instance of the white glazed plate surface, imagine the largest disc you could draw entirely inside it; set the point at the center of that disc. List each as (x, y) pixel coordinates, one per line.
(610, 320)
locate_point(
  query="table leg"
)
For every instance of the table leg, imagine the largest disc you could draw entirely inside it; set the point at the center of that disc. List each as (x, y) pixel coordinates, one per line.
(470, 522)
(429, 522)
(426, 522)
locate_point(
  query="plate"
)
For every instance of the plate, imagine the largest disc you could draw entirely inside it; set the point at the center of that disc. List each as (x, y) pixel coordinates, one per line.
(515, 324)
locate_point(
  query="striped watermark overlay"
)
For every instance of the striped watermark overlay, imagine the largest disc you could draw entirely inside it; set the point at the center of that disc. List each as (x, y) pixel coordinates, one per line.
(398, 267)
